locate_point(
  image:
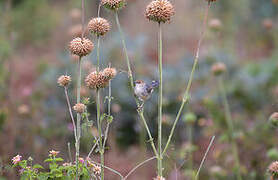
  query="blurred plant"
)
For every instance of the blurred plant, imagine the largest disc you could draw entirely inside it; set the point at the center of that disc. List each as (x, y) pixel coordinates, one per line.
(218, 69)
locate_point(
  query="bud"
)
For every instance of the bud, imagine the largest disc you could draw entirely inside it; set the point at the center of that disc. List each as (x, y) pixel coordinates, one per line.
(218, 68)
(215, 24)
(274, 119)
(189, 118)
(273, 169)
(64, 80)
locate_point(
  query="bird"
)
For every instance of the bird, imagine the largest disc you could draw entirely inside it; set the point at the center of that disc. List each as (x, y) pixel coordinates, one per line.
(143, 91)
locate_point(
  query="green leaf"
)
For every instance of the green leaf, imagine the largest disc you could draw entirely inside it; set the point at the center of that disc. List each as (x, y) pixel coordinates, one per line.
(48, 160)
(37, 166)
(59, 159)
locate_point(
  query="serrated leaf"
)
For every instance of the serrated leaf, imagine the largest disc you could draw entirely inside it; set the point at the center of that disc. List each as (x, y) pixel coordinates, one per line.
(37, 166)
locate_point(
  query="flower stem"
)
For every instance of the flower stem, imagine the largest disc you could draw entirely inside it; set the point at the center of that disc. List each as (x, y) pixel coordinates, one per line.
(140, 112)
(186, 93)
(229, 121)
(78, 128)
(159, 160)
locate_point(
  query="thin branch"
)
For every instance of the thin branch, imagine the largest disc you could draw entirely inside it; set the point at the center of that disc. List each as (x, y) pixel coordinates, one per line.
(70, 111)
(139, 165)
(204, 158)
(186, 94)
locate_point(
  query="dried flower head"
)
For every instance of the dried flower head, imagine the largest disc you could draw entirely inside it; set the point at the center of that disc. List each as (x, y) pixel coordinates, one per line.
(99, 26)
(64, 80)
(113, 4)
(81, 47)
(79, 108)
(218, 68)
(109, 73)
(215, 24)
(160, 11)
(273, 168)
(16, 159)
(274, 119)
(53, 153)
(159, 178)
(96, 80)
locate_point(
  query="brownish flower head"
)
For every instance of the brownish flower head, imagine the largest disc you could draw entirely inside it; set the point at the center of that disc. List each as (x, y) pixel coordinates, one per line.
(160, 11)
(273, 168)
(215, 24)
(96, 80)
(109, 73)
(79, 108)
(113, 4)
(273, 119)
(159, 178)
(81, 47)
(99, 26)
(218, 68)
(64, 80)
(97, 170)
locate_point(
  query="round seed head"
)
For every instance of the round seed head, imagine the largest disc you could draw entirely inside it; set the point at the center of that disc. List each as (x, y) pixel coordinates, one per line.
(113, 4)
(273, 168)
(99, 26)
(215, 24)
(274, 119)
(79, 108)
(218, 68)
(160, 11)
(96, 80)
(109, 73)
(81, 47)
(64, 80)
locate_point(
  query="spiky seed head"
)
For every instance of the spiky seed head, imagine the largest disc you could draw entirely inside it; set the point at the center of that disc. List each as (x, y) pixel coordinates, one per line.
(113, 4)
(96, 80)
(64, 80)
(79, 108)
(159, 178)
(99, 26)
(81, 47)
(273, 168)
(218, 68)
(160, 11)
(109, 73)
(215, 24)
(273, 119)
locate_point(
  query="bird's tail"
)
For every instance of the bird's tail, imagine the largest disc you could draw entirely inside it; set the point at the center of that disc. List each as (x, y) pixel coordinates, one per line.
(155, 84)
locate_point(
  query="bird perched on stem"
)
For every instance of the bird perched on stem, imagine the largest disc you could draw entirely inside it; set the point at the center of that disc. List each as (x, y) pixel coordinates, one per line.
(143, 91)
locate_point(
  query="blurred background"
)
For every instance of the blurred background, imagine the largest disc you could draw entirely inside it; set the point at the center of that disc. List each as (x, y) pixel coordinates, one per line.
(243, 34)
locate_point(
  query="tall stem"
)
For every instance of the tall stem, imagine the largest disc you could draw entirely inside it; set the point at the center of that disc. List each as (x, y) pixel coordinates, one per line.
(159, 160)
(78, 128)
(98, 59)
(229, 121)
(186, 93)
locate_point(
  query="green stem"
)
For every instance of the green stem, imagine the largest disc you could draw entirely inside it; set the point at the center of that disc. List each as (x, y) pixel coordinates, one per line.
(108, 112)
(229, 121)
(126, 54)
(186, 93)
(190, 138)
(98, 58)
(159, 160)
(78, 129)
(140, 112)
